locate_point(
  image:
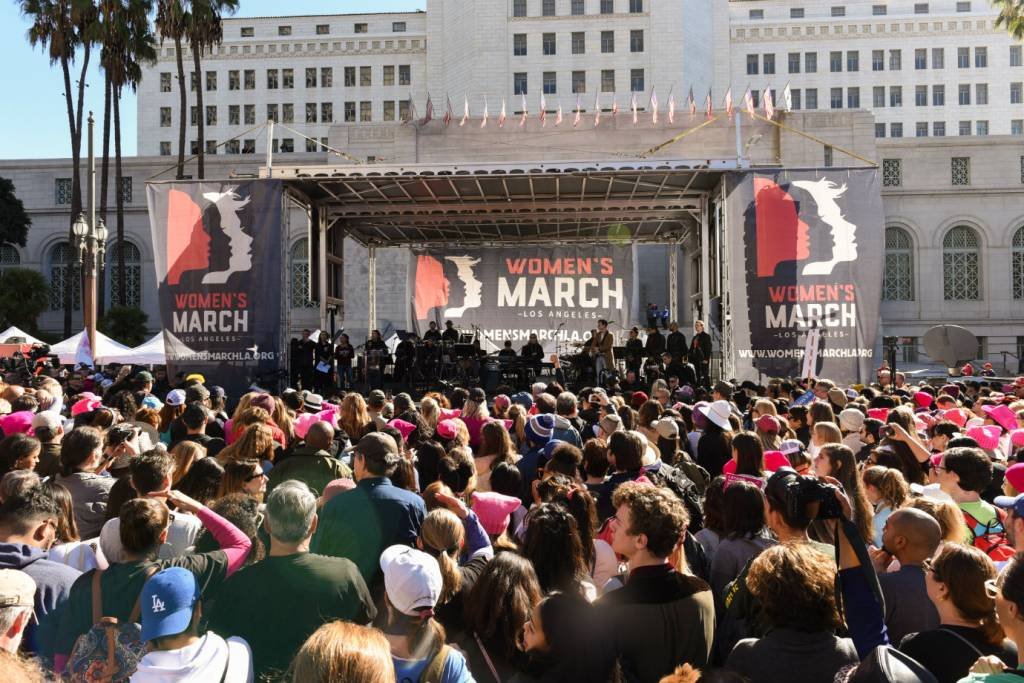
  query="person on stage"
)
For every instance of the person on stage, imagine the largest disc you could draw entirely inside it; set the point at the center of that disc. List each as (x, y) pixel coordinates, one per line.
(450, 334)
(343, 355)
(601, 344)
(634, 352)
(532, 355)
(376, 359)
(655, 344)
(680, 369)
(675, 343)
(405, 357)
(323, 370)
(700, 353)
(507, 354)
(306, 351)
(432, 334)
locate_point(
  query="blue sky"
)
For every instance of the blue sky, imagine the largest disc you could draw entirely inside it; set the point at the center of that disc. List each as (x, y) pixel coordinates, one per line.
(35, 121)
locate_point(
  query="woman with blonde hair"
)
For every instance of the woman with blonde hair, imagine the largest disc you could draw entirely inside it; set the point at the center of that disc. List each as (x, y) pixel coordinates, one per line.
(283, 419)
(517, 414)
(257, 441)
(353, 417)
(887, 491)
(430, 415)
(185, 454)
(343, 651)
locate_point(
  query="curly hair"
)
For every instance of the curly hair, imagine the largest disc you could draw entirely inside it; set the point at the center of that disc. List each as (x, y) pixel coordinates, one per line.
(971, 568)
(795, 584)
(654, 512)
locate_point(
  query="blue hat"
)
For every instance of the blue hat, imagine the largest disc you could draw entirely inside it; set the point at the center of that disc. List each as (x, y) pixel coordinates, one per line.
(167, 601)
(153, 402)
(539, 428)
(523, 399)
(1015, 503)
(550, 447)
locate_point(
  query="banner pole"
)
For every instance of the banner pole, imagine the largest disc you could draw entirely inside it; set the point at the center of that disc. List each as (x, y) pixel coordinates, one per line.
(371, 282)
(673, 281)
(705, 263)
(270, 148)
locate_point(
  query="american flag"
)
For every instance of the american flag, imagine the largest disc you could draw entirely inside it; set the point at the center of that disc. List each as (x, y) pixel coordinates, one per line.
(429, 116)
(558, 116)
(483, 124)
(691, 103)
(447, 118)
(671, 107)
(654, 106)
(615, 107)
(728, 103)
(543, 111)
(633, 107)
(769, 105)
(525, 114)
(748, 102)
(465, 110)
(501, 116)
(787, 98)
(708, 111)
(597, 110)
(579, 113)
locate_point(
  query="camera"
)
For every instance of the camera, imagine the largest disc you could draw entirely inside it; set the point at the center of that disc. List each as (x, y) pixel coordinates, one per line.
(120, 433)
(803, 490)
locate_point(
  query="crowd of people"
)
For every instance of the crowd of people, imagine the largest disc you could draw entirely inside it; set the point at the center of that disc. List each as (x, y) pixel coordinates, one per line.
(792, 531)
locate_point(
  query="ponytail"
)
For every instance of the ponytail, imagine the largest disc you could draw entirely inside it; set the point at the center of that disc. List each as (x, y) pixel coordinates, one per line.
(991, 628)
(890, 484)
(442, 535)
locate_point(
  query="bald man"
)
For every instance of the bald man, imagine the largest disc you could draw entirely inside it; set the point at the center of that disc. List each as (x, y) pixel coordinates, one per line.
(311, 463)
(910, 536)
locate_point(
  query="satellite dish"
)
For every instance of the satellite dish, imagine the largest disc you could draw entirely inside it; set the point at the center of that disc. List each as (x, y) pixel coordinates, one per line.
(950, 344)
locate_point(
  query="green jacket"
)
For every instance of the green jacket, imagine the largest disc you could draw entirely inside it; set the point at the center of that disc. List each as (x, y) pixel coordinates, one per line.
(315, 468)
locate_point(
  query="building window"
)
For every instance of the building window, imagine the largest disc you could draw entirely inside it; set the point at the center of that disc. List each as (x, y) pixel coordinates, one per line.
(920, 8)
(828, 156)
(980, 57)
(389, 110)
(892, 173)
(365, 111)
(361, 28)
(350, 76)
(896, 96)
(62, 268)
(326, 77)
(939, 129)
(836, 98)
(398, 27)
(796, 12)
(288, 112)
(247, 32)
(812, 98)
(579, 82)
(519, 85)
(878, 60)
(547, 43)
(547, 8)
(981, 93)
(326, 112)
(193, 81)
(272, 80)
(607, 41)
(350, 112)
(250, 79)
(636, 41)
(232, 147)
(755, 14)
(965, 128)
(193, 115)
(895, 60)
(549, 83)
(938, 58)
(388, 75)
(753, 64)
(768, 62)
(921, 96)
(165, 149)
(838, 11)
(879, 10)
(211, 81)
(272, 113)
(165, 81)
(165, 117)
(1018, 264)
(794, 62)
(961, 170)
(938, 95)
(636, 80)
(234, 83)
(607, 6)
(404, 106)
(287, 145)
(896, 130)
(636, 6)
(365, 76)
(404, 74)
(298, 266)
(811, 62)
(576, 7)
(518, 8)
(249, 112)
(284, 30)
(323, 29)
(963, 7)
(62, 191)
(249, 146)
(1016, 56)
(518, 46)
(132, 275)
(853, 98)
(125, 187)
(878, 96)
(961, 264)
(921, 129)
(921, 59)
(852, 61)
(963, 57)
(898, 270)
(311, 112)
(311, 77)
(981, 127)
(795, 93)
(211, 115)
(964, 93)
(1016, 126)
(879, 130)
(288, 79)
(1015, 92)
(835, 62)
(608, 80)
(579, 42)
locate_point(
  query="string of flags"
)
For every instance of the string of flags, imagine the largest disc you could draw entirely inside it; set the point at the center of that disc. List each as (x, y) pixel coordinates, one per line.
(653, 109)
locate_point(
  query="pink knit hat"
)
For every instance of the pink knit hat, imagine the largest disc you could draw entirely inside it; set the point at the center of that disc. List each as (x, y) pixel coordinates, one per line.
(335, 487)
(17, 423)
(1015, 475)
(403, 427)
(501, 401)
(878, 413)
(303, 422)
(446, 429)
(987, 436)
(768, 424)
(85, 405)
(773, 461)
(957, 416)
(494, 510)
(1017, 437)
(1002, 415)
(265, 401)
(923, 399)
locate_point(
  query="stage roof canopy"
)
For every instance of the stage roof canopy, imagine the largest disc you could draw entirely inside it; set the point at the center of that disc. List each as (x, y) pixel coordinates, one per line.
(417, 204)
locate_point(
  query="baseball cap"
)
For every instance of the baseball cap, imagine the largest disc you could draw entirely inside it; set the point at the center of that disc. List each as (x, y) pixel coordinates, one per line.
(1014, 503)
(17, 589)
(144, 376)
(666, 428)
(610, 423)
(791, 446)
(376, 397)
(175, 397)
(167, 601)
(412, 579)
(195, 376)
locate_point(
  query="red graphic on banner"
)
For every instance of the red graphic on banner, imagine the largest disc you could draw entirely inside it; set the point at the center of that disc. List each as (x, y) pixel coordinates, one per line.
(781, 235)
(188, 244)
(431, 286)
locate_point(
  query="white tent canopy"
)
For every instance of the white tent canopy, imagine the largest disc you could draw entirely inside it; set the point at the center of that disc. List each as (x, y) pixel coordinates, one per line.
(13, 331)
(150, 352)
(68, 350)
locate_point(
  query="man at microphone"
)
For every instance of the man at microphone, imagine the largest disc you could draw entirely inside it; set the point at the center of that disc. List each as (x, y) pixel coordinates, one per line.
(601, 347)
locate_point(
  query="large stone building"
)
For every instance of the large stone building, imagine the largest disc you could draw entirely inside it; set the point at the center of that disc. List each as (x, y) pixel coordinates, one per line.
(954, 238)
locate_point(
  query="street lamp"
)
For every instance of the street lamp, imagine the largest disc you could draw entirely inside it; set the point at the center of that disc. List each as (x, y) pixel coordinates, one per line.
(90, 247)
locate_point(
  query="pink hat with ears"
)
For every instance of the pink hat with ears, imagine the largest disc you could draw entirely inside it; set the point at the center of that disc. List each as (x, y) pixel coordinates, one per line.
(1002, 415)
(404, 428)
(1017, 437)
(987, 436)
(446, 429)
(85, 405)
(17, 423)
(302, 423)
(501, 401)
(923, 399)
(956, 416)
(878, 413)
(1015, 475)
(494, 510)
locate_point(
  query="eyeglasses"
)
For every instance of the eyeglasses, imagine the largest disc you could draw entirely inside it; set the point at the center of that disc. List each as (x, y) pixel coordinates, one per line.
(257, 475)
(939, 468)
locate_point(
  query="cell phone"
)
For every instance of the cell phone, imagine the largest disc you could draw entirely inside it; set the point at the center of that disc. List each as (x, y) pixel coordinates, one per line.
(889, 431)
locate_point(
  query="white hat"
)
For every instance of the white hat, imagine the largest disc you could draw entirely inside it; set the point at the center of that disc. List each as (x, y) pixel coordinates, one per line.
(718, 412)
(412, 579)
(176, 397)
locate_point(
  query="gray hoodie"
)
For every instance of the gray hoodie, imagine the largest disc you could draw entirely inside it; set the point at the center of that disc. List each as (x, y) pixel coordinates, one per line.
(203, 662)
(53, 584)
(89, 494)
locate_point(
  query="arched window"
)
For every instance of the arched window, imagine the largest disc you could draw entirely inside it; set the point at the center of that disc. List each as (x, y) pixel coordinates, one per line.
(898, 277)
(1018, 263)
(961, 264)
(9, 257)
(133, 276)
(62, 266)
(300, 273)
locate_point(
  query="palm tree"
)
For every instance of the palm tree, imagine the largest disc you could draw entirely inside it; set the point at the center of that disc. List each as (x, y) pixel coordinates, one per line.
(128, 42)
(1011, 16)
(62, 27)
(205, 31)
(171, 19)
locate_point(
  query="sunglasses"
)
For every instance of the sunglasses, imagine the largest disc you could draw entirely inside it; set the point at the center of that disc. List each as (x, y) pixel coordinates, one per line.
(255, 476)
(939, 468)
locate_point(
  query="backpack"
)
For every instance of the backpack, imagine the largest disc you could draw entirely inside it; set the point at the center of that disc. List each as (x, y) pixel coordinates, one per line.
(673, 479)
(435, 669)
(108, 652)
(990, 538)
(694, 472)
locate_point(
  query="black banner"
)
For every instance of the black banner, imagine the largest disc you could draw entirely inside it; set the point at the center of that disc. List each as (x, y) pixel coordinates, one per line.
(218, 265)
(507, 293)
(806, 252)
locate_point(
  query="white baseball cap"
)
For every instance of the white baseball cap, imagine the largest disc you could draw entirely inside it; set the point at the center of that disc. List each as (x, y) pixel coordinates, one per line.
(412, 579)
